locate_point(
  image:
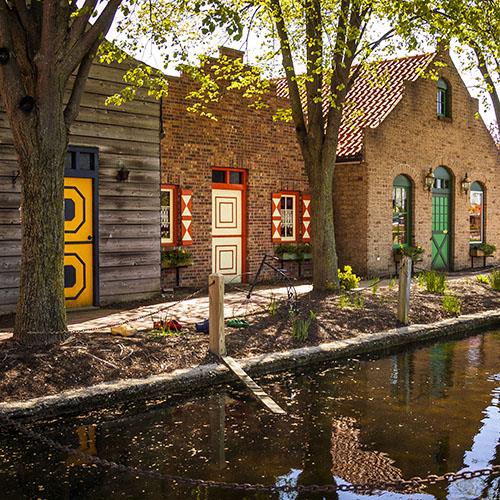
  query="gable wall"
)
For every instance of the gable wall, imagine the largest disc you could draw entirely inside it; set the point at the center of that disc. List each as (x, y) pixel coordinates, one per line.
(411, 140)
(241, 138)
(129, 246)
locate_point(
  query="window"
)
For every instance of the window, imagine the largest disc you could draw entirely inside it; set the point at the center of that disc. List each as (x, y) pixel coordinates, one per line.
(476, 213)
(288, 210)
(401, 211)
(167, 213)
(443, 99)
(228, 176)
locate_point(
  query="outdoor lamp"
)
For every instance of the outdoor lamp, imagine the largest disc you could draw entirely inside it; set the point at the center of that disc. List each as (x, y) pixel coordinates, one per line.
(122, 174)
(429, 180)
(466, 184)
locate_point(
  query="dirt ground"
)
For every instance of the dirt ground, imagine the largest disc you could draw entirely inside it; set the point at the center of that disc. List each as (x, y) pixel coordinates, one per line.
(87, 359)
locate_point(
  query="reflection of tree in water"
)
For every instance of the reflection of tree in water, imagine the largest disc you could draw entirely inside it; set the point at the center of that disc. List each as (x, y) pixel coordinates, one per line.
(441, 369)
(354, 464)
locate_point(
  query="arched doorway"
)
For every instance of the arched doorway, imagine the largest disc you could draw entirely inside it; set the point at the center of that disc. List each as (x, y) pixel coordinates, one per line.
(441, 219)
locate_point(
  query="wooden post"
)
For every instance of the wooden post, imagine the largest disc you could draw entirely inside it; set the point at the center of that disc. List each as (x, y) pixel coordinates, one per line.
(216, 314)
(404, 289)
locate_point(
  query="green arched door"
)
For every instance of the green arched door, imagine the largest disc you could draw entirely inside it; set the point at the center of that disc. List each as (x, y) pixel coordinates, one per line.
(441, 219)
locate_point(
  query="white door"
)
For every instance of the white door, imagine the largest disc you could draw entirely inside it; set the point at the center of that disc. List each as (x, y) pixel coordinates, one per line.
(227, 233)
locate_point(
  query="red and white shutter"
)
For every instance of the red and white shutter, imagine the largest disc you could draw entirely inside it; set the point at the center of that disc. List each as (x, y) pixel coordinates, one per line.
(186, 217)
(276, 217)
(306, 218)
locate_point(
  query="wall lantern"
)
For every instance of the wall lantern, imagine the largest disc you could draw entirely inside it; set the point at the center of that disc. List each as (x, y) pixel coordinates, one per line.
(429, 180)
(122, 174)
(466, 184)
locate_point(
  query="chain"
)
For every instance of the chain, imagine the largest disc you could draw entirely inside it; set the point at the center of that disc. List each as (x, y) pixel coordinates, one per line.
(398, 485)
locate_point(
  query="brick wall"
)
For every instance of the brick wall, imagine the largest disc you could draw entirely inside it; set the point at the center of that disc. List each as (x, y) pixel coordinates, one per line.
(410, 141)
(242, 138)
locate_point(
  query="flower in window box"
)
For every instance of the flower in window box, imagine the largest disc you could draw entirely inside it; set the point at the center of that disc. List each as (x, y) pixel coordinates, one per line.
(483, 250)
(176, 257)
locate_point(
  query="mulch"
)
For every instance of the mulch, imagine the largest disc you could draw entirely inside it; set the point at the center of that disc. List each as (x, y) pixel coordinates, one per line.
(87, 359)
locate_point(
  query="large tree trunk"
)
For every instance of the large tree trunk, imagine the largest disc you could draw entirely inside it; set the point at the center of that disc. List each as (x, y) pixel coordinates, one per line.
(323, 229)
(41, 314)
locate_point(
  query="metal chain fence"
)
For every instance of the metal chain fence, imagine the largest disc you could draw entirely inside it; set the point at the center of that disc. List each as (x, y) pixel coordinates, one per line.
(394, 485)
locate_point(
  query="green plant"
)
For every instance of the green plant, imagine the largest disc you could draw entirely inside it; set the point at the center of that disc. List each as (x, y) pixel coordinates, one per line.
(301, 326)
(374, 286)
(494, 280)
(451, 304)
(176, 257)
(347, 279)
(283, 248)
(272, 307)
(392, 283)
(300, 251)
(433, 282)
(482, 278)
(487, 248)
(414, 252)
(344, 301)
(358, 301)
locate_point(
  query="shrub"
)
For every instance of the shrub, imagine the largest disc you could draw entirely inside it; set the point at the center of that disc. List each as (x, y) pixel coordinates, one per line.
(358, 301)
(344, 301)
(301, 327)
(374, 286)
(452, 304)
(392, 283)
(482, 278)
(494, 280)
(433, 282)
(347, 279)
(272, 307)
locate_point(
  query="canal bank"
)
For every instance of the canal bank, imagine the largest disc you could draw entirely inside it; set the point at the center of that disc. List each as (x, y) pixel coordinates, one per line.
(184, 381)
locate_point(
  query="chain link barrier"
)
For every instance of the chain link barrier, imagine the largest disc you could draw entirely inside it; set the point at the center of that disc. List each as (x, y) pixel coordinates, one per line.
(394, 485)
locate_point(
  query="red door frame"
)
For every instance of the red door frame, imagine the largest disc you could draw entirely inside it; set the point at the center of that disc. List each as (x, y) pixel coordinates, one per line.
(243, 189)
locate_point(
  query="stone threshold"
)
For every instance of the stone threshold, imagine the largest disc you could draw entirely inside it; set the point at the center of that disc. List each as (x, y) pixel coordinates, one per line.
(187, 380)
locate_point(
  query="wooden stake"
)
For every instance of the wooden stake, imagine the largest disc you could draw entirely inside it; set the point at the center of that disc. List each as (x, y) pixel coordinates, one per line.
(216, 314)
(404, 289)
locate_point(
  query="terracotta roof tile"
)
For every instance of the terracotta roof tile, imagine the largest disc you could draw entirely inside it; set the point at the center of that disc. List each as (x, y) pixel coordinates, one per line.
(369, 101)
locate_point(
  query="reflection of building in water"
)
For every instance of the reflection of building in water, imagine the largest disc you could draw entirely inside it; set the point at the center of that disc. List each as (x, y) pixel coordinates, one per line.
(354, 464)
(441, 369)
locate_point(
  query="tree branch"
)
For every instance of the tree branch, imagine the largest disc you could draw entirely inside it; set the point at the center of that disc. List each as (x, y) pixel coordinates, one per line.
(76, 52)
(80, 23)
(73, 106)
(492, 90)
(291, 77)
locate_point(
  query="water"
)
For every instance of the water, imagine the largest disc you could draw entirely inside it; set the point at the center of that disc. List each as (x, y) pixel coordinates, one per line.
(417, 412)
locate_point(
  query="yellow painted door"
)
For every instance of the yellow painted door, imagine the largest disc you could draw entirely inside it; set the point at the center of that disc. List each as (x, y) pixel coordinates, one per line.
(79, 242)
(227, 233)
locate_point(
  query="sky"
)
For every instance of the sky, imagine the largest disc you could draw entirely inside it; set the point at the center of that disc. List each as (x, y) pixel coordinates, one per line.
(151, 56)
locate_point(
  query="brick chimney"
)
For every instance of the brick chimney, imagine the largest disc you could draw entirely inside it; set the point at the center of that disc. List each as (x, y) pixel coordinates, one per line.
(231, 53)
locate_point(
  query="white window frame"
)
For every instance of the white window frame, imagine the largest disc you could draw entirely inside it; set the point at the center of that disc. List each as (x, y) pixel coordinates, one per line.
(168, 241)
(294, 216)
(476, 242)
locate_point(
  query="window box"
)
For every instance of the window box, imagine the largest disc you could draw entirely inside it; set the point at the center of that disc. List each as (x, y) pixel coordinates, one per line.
(287, 251)
(483, 250)
(176, 257)
(414, 252)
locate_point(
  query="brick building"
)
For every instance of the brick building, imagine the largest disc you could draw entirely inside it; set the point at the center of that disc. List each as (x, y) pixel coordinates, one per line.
(234, 188)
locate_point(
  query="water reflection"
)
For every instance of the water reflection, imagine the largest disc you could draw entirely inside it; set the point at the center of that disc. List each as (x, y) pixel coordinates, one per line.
(430, 410)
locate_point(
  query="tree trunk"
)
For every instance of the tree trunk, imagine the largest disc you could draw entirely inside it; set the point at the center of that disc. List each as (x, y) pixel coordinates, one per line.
(41, 314)
(324, 252)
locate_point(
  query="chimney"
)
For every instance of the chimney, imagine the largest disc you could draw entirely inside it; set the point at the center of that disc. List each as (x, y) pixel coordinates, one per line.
(231, 53)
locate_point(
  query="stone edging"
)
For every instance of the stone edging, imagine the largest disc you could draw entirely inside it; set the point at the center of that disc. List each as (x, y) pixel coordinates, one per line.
(189, 379)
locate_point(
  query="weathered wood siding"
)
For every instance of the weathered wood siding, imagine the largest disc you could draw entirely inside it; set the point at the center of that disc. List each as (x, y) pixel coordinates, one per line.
(129, 212)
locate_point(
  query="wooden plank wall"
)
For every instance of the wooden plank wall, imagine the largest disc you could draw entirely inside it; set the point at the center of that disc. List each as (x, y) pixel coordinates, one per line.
(129, 212)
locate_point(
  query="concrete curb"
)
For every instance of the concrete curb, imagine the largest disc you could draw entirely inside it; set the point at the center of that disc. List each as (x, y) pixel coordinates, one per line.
(199, 377)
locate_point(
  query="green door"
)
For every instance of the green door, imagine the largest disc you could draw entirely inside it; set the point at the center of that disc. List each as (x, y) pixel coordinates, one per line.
(441, 217)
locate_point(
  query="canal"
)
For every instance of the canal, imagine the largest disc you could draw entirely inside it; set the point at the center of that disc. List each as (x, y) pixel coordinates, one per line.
(419, 411)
